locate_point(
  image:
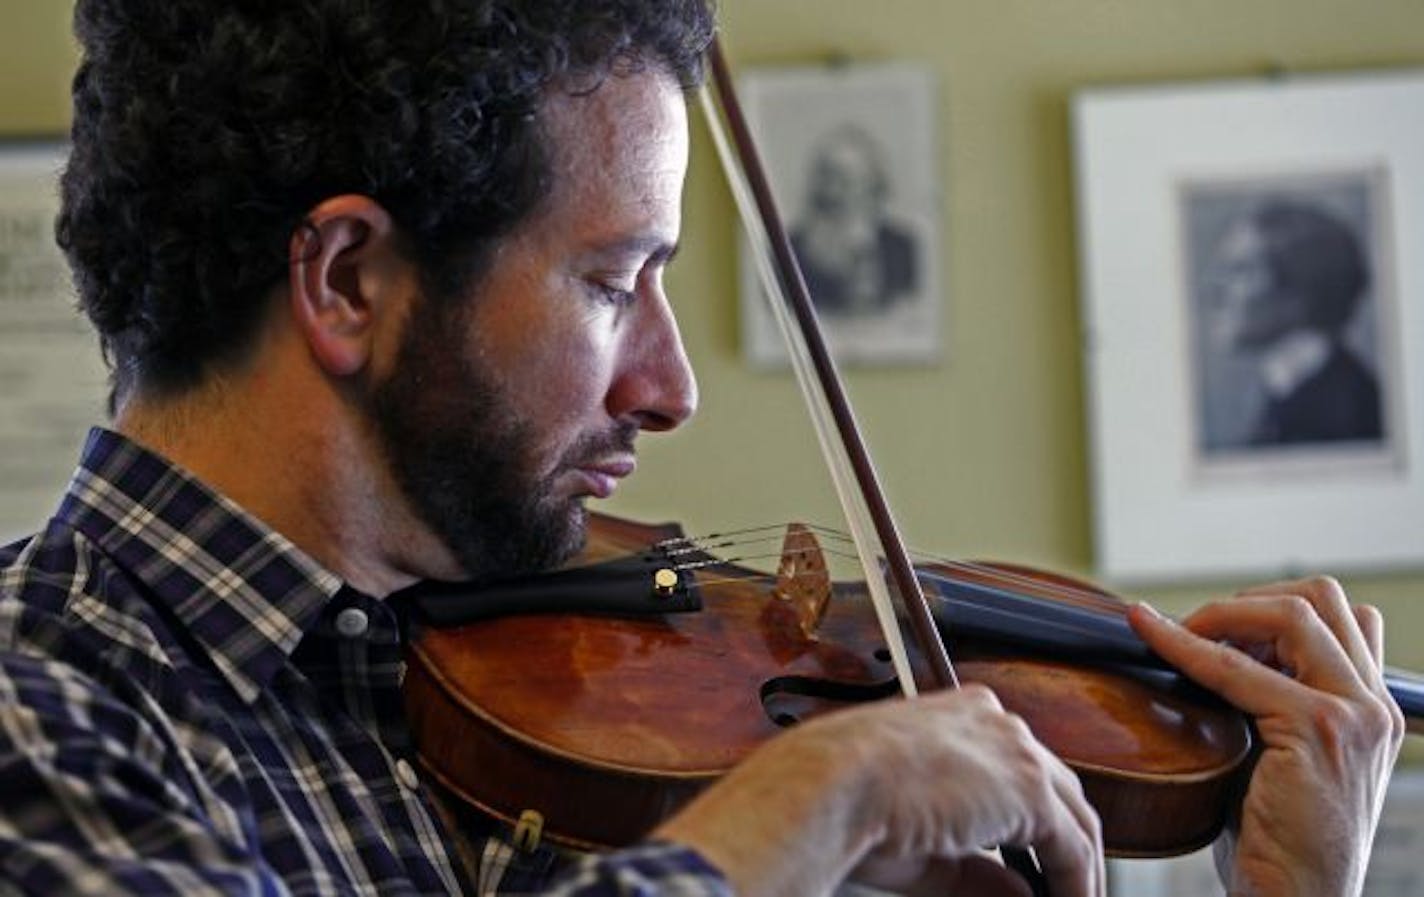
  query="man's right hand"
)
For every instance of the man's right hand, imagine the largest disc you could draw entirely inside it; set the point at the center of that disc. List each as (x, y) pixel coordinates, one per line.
(902, 794)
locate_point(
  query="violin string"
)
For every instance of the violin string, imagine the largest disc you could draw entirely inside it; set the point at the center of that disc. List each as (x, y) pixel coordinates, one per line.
(752, 577)
(780, 555)
(1082, 596)
(737, 538)
(993, 576)
(674, 549)
(999, 576)
(690, 566)
(713, 548)
(728, 539)
(767, 527)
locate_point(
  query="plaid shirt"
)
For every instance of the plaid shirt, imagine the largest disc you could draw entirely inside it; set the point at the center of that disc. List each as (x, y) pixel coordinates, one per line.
(190, 705)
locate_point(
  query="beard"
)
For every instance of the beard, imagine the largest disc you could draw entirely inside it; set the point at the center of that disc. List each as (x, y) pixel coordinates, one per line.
(467, 462)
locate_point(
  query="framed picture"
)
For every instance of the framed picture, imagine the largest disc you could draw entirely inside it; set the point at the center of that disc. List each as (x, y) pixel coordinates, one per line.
(52, 379)
(1253, 324)
(851, 154)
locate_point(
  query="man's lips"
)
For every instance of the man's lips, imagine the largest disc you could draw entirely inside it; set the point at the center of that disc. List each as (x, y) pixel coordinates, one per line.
(601, 477)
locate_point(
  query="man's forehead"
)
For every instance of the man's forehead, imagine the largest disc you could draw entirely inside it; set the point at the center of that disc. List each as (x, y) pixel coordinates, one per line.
(630, 117)
(618, 152)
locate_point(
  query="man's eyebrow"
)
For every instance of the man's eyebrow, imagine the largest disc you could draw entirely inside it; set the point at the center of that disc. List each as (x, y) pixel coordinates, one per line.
(657, 250)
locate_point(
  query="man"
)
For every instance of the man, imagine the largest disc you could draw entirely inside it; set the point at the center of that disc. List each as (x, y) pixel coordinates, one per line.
(381, 286)
(1289, 279)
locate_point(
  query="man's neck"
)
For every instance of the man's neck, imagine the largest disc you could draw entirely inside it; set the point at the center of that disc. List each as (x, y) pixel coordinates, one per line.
(296, 458)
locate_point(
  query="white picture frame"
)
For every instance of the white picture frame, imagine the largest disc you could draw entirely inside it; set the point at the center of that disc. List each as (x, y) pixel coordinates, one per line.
(851, 151)
(53, 382)
(1196, 475)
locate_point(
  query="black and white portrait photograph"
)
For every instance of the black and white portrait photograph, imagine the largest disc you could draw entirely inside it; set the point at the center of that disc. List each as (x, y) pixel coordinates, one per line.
(1289, 289)
(1252, 343)
(851, 151)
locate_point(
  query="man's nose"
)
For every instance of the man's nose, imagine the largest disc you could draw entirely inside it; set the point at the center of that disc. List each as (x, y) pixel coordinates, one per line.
(656, 385)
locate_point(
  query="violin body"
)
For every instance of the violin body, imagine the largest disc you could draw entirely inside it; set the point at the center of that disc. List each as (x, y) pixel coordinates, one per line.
(605, 725)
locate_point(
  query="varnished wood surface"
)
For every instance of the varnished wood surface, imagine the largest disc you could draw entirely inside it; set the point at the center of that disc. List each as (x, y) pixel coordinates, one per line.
(606, 725)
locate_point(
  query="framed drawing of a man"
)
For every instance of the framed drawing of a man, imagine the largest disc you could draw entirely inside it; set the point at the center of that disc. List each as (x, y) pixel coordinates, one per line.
(851, 154)
(1289, 289)
(1253, 324)
(858, 259)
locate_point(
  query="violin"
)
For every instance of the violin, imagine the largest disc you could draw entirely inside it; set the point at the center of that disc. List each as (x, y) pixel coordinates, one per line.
(613, 700)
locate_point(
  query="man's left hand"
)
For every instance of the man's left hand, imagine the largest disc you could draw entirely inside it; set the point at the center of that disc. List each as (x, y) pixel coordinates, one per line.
(1307, 666)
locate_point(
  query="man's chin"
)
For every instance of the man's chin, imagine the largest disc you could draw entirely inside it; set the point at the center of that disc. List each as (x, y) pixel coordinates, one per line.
(557, 538)
(539, 542)
(576, 531)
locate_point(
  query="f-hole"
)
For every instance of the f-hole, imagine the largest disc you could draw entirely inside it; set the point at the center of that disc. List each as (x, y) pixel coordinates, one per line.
(788, 700)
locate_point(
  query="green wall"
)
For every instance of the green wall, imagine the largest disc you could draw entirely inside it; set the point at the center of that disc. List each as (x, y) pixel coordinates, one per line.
(984, 455)
(37, 56)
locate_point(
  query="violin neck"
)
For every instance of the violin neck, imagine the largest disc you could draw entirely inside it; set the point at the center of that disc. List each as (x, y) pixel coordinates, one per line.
(1407, 689)
(965, 609)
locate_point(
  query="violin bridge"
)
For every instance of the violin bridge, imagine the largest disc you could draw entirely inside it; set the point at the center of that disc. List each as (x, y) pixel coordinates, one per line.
(803, 579)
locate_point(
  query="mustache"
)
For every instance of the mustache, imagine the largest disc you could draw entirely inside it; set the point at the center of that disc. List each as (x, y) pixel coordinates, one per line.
(593, 447)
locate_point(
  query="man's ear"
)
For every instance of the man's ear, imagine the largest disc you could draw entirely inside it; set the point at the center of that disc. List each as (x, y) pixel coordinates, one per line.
(343, 280)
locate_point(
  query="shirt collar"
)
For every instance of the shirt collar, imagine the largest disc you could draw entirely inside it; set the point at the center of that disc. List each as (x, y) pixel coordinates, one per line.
(1293, 359)
(244, 591)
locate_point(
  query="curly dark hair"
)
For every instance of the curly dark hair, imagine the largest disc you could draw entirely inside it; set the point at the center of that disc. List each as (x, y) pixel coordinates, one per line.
(205, 131)
(1315, 255)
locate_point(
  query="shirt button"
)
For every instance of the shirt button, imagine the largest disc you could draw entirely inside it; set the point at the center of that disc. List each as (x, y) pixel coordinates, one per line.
(406, 774)
(352, 622)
